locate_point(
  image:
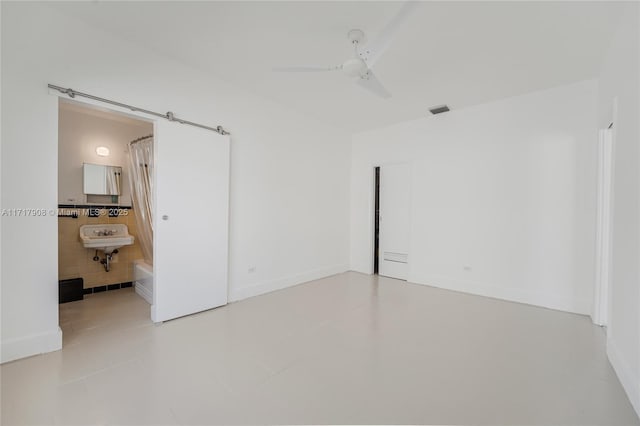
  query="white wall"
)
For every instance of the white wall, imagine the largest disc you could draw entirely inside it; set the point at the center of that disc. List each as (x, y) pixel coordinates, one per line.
(289, 201)
(80, 133)
(619, 78)
(506, 188)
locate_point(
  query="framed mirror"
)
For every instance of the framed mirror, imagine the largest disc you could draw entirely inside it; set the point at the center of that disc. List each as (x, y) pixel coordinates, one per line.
(99, 179)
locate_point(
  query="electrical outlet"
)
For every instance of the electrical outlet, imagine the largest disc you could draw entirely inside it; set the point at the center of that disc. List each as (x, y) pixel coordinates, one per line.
(467, 268)
(252, 269)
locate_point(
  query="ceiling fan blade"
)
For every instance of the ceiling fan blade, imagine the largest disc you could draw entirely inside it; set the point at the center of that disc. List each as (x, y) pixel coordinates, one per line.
(372, 51)
(307, 69)
(371, 83)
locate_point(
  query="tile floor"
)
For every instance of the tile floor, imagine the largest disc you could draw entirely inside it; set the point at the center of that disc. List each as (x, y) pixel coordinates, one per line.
(350, 348)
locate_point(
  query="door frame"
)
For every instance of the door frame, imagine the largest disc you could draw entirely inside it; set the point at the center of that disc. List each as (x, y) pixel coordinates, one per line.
(600, 314)
(372, 206)
(90, 103)
(376, 219)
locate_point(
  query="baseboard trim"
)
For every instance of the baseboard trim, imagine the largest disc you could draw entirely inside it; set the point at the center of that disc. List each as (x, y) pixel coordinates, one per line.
(34, 344)
(280, 283)
(630, 384)
(581, 307)
(144, 292)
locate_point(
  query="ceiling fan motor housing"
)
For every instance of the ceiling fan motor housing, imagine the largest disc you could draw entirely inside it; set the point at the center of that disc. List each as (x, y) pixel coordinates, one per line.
(356, 36)
(354, 67)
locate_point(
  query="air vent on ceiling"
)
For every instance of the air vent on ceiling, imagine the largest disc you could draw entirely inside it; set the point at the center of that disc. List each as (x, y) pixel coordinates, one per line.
(439, 109)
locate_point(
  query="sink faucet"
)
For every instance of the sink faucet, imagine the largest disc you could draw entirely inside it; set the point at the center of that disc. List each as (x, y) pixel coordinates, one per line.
(105, 232)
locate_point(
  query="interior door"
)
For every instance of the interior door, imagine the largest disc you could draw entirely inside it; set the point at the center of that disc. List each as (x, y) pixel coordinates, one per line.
(191, 220)
(394, 221)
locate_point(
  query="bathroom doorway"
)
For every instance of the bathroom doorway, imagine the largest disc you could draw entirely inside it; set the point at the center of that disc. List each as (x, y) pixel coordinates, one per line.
(189, 275)
(391, 239)
(104, 272)
(376, 221)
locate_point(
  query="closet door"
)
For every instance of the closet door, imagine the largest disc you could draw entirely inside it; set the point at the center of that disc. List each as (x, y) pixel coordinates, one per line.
(394, 219)
(191, 220)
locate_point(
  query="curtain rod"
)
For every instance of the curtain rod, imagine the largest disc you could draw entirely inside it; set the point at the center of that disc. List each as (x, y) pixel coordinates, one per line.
(140, 139)
(169, 115)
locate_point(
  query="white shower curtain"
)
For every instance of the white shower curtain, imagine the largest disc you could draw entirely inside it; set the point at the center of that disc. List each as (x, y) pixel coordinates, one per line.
(113, 179)
(141, 184)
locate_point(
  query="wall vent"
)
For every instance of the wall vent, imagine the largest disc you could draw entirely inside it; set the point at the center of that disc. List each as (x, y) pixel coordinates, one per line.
(396, 257)
(439, 109)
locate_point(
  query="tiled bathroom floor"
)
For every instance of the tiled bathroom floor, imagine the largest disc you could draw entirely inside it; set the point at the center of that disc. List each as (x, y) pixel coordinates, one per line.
(350, 348)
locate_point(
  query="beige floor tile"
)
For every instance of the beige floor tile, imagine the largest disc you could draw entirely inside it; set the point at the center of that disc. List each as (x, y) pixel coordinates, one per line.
(346, 349)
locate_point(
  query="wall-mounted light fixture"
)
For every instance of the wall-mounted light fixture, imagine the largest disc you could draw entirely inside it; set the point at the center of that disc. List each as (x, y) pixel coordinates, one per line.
(102, 151)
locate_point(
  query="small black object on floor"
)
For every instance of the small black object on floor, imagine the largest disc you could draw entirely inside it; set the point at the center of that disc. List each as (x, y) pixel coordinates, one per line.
(70, 290)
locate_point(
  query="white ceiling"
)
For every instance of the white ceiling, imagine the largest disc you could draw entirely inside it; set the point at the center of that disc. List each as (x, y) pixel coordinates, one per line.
(458, 53)
(105, 113)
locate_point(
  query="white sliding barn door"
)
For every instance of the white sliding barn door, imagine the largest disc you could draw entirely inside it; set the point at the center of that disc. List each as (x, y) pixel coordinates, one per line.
(394, 221)
(191, 220)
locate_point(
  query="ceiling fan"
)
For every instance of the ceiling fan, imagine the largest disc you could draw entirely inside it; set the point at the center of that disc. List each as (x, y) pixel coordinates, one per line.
(360, 66)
